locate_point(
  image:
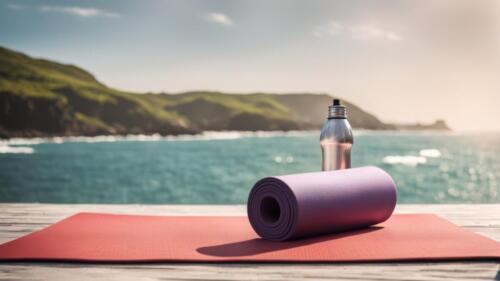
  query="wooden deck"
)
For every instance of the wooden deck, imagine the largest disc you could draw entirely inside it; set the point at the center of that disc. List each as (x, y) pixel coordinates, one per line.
(20, 219)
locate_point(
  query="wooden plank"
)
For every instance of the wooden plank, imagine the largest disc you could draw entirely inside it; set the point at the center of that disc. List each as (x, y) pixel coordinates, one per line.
(19, 219)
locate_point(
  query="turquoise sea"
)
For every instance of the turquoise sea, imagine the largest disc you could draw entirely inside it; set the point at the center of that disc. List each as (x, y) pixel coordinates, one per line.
(220, 168)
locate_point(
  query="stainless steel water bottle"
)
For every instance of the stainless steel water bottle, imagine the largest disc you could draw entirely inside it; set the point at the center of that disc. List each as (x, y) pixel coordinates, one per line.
(336, 139)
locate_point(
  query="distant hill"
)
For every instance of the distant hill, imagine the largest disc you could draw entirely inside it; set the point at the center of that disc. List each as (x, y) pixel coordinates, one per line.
(439, 125)
(44, 98)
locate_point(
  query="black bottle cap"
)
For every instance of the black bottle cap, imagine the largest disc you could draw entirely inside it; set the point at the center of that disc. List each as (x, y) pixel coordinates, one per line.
(336, 102)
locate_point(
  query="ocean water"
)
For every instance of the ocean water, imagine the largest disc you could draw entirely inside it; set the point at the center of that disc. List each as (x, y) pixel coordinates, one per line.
(220, 168)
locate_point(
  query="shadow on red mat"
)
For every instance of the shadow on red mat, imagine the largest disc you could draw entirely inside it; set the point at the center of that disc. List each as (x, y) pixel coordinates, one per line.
(260, 246)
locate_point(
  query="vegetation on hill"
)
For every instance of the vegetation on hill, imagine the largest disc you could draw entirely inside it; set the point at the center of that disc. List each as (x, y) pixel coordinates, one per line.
(40, 97)
(44, 98)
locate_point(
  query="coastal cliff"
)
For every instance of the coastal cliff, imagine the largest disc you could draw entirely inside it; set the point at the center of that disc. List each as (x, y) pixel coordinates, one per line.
(44, 98)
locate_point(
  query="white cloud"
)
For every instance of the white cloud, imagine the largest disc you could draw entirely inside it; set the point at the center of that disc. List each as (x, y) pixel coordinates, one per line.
(79, 11)
(219, 18)
(368, 32)
(331, 28)
(356, 32)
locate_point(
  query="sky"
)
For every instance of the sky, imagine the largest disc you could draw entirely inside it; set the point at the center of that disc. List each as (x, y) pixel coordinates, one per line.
(404, 60)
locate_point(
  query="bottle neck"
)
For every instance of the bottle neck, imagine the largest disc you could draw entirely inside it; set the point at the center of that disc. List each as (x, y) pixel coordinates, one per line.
(337, 112)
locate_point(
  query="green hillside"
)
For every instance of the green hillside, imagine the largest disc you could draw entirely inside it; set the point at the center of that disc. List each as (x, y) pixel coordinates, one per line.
(44, 98)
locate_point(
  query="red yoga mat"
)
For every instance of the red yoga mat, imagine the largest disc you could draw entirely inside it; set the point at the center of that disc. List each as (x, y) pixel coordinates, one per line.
(128, 238)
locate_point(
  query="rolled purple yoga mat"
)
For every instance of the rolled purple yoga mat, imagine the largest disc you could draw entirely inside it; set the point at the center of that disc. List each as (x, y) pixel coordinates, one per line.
(298, 205)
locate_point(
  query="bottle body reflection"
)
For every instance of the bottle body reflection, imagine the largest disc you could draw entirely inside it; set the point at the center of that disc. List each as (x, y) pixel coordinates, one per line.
(336, 139)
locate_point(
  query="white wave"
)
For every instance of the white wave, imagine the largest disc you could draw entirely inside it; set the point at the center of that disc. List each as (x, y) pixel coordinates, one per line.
(283, 159)
(207, 135)
(224, 135)
(408, 160)
(22, 141)
(16, 149)
(232, 135)
(430, 153)
(210, 135)
(109, 138)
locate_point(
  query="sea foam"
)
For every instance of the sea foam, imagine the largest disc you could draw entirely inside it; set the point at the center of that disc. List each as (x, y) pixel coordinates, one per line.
(204, 136)
(16, 149)
(431, 153)
(408, 160)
